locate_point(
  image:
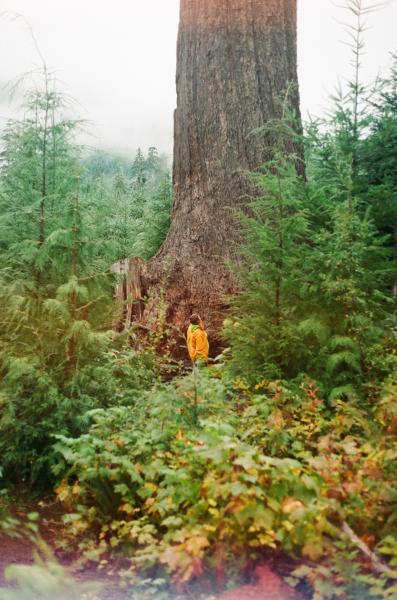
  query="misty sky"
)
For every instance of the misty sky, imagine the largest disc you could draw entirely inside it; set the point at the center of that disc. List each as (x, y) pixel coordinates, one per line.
(117, 58)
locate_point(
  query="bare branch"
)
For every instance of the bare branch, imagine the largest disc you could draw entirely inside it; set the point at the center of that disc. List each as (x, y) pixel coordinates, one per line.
(378, 565)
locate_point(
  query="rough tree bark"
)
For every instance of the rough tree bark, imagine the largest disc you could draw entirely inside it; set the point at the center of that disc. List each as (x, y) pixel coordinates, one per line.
(235, 58)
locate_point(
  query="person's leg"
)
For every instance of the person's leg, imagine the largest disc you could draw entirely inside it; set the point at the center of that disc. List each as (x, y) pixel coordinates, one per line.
(200, 363)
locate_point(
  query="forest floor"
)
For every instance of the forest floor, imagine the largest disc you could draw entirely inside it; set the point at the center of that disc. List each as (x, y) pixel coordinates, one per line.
(268, 583)
(22, 550)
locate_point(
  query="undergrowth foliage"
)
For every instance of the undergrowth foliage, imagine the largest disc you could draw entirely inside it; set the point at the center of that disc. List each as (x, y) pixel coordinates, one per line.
(264, 468)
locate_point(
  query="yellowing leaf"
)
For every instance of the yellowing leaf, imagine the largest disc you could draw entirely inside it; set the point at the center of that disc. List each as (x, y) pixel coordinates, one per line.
(127, 508)
(313, 549)
(290, 504)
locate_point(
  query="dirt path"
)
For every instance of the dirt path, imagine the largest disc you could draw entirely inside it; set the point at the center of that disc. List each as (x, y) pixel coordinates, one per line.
(13, 551)
(19, 550)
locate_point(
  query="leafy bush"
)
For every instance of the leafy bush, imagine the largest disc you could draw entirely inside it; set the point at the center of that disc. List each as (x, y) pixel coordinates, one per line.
(34, 407)
(198, 477)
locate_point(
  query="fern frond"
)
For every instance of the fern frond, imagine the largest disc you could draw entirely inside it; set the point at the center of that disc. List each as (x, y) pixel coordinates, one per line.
(343, 391)
(314, 327)
(343, 342)
(342, 360)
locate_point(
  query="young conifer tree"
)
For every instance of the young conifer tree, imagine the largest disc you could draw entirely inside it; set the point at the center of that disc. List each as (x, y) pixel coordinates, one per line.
(47, 292)
(351, 271)
(79, 296)
(340, 137)
(263, 332)
(36, 175)
(378, 189)
(314, 299)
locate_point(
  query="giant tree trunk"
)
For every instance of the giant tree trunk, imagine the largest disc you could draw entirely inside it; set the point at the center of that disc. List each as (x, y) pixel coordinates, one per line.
(235, 59)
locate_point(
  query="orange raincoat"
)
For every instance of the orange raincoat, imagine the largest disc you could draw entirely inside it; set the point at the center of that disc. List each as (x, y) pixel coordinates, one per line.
(197, 342)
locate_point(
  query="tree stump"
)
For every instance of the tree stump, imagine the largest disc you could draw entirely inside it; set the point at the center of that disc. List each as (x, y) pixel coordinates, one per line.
(129, 294)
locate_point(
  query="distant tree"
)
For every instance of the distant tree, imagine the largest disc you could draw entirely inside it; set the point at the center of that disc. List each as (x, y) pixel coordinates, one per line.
(103, 163)
(138, 170)
(119, 184)
(156, 218)
(153, 163)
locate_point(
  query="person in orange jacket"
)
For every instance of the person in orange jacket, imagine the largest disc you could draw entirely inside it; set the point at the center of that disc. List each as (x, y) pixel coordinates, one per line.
(197, 340)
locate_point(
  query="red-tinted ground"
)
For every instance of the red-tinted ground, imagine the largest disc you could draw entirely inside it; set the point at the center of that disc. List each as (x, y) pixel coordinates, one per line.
(267, 585)
(20, 550)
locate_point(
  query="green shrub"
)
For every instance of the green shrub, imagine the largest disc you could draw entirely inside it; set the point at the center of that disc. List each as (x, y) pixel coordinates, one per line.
(34, 407)
(198, 477)
(167, 492)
